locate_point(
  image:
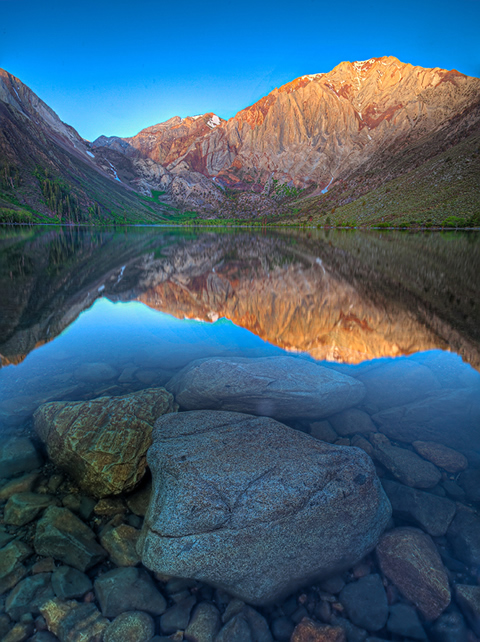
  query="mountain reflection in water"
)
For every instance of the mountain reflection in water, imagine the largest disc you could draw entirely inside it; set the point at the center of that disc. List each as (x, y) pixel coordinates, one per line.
(101, 315)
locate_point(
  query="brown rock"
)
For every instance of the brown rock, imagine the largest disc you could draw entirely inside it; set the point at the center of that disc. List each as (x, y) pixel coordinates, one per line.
(450, 460)
(309, 631)
(102, 443)
(21, 484)
(409, 558)
(74, 622)
(120, 543)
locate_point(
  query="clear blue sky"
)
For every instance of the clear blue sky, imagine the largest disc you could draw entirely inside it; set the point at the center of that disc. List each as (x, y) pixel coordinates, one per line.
(116, 67)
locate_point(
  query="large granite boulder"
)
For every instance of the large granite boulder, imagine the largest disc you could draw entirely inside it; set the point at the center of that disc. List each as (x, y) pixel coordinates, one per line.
(253, 507)
(102, 443)
(279, 387)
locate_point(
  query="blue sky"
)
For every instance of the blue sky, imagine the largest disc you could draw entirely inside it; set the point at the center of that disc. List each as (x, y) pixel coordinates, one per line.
(116, 67)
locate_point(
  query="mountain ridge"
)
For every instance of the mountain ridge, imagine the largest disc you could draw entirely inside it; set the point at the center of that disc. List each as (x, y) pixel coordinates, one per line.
(321, 133)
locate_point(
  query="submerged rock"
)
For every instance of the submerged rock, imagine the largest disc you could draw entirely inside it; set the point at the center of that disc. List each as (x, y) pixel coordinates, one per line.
(254, 507)
(442, 456)
(279, 387)
(74, 622)
(18, 455)
(29, 595)
(430, 512)
(451, 417)
(468, 598)
(102, 443)
(63, 536)
(132, 626)
(11, 568)
(128, 589)
(309, 631)
(22, 508)
(409, 558)
(365, 602)
(404, 464)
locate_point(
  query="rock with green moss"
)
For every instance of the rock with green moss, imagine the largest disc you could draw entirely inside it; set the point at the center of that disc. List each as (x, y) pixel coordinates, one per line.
(102, 443)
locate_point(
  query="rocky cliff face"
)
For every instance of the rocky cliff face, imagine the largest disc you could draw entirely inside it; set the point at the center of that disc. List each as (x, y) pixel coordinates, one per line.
(318, 128)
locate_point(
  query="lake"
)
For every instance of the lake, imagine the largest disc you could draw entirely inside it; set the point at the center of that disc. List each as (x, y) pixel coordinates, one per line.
(315, 467)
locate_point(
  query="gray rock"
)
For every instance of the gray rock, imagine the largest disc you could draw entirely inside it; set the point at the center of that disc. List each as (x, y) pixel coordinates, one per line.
(323, 430)
(397, 382)
(177, 617)
(409, 558)
(69, 583)
(11, 568)
(29, 595)
(450, 627)
(94, 372)
(430, 512)
(403, 620)
(259, 628)
(279, 387)
(352, 422)
(132, 626)
(205, 623)
(332, 584)
(235, 630)
(453, 490)
(404, 464)
(102, 443)
(18, 455)
(464, 535)
(353, 633)
(468, 598)
(128, 589)
(43, 636)
(450, 417)
(255, 508)
(22, 508)
(63, 536)
(282, 628)
(365, 602)
(470, 483)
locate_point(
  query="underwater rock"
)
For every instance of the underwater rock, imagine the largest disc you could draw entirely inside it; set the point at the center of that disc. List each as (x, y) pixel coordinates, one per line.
(128, 589)
(442, 456)
(18, 455)
(74, 622)
(430, 512)
(256, 508)
(409, 558)
(279, 387)
(404, 464)
(102, 443)
(451, 417)
(63, 536)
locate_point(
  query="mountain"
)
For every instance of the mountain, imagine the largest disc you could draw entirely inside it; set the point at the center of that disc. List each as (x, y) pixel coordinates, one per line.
(48, 169)
(320, 128)
(327, 146)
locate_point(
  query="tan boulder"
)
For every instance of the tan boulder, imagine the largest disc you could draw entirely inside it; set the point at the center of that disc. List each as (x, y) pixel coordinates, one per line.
(102, 443)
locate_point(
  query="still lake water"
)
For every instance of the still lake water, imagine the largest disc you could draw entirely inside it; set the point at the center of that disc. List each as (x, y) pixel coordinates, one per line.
(86, 314)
